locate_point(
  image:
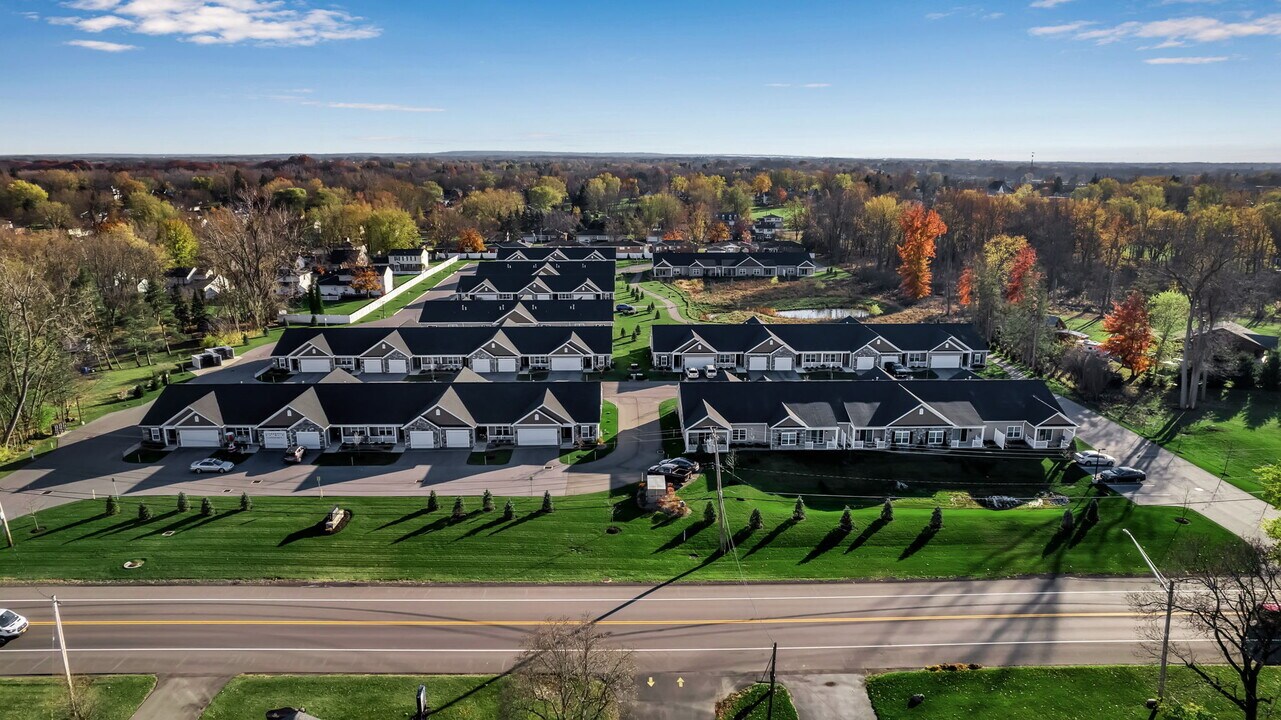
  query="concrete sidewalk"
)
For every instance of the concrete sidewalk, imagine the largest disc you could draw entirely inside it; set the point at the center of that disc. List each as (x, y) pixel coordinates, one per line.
(180, 697)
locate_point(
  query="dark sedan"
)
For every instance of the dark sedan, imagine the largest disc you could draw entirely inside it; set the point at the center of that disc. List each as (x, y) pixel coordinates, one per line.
(1123, 475)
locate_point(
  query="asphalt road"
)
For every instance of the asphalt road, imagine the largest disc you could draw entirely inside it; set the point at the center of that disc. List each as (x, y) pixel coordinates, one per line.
(223, 630)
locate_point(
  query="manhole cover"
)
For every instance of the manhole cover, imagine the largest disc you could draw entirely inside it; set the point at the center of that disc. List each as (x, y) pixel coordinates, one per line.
(226, 490)
(167, 533)
(254, 482)
(133, 564)
(47, 492)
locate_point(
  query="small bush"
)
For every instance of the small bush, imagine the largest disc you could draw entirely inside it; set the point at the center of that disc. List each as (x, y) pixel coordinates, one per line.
(547, 502)
(459, 511)
(144, 512)
(709, 513)
(183, 503)
(113, 505)
(756, 522)
(1092, 511)
(206, 507)
(887, 511)
(245, 503)
(936, 519)
(138, 391)
(954, 667)
(487, 501)
(433, 503)
(798, 510)
(1068, 522)
(1185, 711)
(847, 521)
(509, 511)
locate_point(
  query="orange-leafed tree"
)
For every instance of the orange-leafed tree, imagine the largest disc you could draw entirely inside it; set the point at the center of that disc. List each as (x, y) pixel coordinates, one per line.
(471, 241)
(674, 235)
(718, 233)
(921, 228)
(365, 280)
(1021, 270)
(965, 287)
(1129, 333)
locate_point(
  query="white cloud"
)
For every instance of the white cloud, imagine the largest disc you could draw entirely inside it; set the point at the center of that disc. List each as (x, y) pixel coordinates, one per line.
(1049, 3)
(102, 46)
(375, 107)
(816, 85)
(1174, 32)
(1186, 60)
(222, 22)
(1064, 29)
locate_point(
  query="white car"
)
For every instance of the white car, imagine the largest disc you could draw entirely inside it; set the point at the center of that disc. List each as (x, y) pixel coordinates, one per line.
(1093, 459)
(710, 371)
(11, 625)
(211, 465)
(691, 373)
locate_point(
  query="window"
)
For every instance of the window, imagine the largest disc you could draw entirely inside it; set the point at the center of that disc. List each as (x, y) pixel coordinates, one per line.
(1043, 434)
(1014, 432)
(739, 435)
(664, 360)
(915, 357)
(500, 431)
(860, 435)
(902, 437)
(155, 434)
(787, 438)
(725, 359)
(936, 437)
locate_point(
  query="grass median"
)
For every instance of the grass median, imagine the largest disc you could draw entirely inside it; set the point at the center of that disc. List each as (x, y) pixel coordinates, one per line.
(104, 697)
(451, 697)
(588, 538)
(753, 703)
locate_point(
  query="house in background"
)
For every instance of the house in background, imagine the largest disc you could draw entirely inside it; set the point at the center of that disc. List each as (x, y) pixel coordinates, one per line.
(732, 265)
(410, 261)
(337, 285)
(187, 281)
(767, 227)
(1228, 339)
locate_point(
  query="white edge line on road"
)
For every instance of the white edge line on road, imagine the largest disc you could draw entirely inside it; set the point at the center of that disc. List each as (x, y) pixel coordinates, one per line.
(765, 598)
(891, 646)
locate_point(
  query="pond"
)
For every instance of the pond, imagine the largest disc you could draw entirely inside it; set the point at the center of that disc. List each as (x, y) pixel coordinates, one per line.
(823, 313)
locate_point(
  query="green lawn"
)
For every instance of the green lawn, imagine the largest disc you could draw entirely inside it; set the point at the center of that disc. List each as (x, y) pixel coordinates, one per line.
(608, 436)
(405, 299)
(451, 697)
(752, 703)
(501, 456)
(1229, 434)
(394, 539)
(346, 307)
(669, 424)
(1088, 323)
(1045, 693)
(111, 697)
(626, 349)
(690, 309)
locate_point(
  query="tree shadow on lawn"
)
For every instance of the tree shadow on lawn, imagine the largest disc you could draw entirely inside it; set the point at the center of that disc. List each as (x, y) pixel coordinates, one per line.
(481, 528)
(180, 523)
(404, 518)
(778, 530)
(438, 524)
(923, 538)
(684, 535)
(518, 521)
(834, 537)
(76, 523)
(866, 535)
(119, 527)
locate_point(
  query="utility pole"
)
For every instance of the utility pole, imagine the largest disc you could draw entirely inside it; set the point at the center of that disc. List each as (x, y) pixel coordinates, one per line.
(1167, 584)
(62, 646)
(773, 665)
(4, 520)
(722, 526)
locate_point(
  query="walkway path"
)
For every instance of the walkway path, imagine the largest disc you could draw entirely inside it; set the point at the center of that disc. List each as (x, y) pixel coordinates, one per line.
(180, 697)
(673, 310)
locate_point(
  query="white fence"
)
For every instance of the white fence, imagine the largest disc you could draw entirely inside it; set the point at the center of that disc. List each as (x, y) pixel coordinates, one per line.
(327, 319)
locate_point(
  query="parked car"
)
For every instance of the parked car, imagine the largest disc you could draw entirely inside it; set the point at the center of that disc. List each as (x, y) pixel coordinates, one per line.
(691, 373)
(1093, 460)
(683, 462)
(634, 372)
(211, 465)
(624, 308)
(710, 371)
(1123, 475)
(665, 468)
(11, 625)
(294, 453)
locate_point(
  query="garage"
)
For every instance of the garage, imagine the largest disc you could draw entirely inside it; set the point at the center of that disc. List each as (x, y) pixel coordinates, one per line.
(458, 438)
(864, 363)
(308, 439)
(506, 364)
(946, 360)
(275, 439)
(567, 363)
(199, 438)
(398, 366)
(372, 365)
(699, 361)
(758, 362)
(538, 437)
(783, 362)
(482, 365)
(312, 365)
(422, 439)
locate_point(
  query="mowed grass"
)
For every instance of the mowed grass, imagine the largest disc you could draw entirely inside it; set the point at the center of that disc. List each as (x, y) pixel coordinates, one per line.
(397, 539)
(1045, 693)
(608, 437)
(111, 697)
(333, 697)
(1088, 323)
(753, 703)
(629, 349)
(400, 302)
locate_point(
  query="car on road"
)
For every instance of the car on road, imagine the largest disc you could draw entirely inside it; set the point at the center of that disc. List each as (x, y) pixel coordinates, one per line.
(710, 372)
(691, 373)
(624, 308)
(1093, 459)
(294, 453)
(692, 466)
(11, 625)
(212, 465)
(1123, 475)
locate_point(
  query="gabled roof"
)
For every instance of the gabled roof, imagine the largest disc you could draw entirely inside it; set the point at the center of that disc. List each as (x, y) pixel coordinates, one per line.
(844, 336)
(570, 253)
(767, 259)
(432, 340)
(493, 312)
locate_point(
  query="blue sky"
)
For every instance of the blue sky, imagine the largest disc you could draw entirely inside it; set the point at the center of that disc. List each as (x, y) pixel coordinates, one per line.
(1175, 80)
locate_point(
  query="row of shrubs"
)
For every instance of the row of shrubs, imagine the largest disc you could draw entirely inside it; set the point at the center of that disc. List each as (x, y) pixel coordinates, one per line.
(184, 505)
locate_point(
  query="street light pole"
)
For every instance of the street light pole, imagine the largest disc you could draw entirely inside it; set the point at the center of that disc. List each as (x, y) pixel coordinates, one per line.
(1167, 584)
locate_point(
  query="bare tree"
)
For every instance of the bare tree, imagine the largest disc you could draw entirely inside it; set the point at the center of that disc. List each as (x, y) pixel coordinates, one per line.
(568, 673)
(249, 245)
(1230, 596)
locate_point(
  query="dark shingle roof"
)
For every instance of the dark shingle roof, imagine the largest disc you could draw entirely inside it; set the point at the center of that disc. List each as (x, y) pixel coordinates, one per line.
(515, 282)
(731, 259)
(493, 312)
(848, 335)
(596, 270)
(435, 340)
(571, 252)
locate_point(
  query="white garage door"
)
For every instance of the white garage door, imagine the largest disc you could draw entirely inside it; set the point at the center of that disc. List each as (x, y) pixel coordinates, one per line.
(397, 366)
(275, 439)
(308, 439)
(699, 361)
(313, 366)
(372, 365)
(945, 361)
(782, 362)
(422, 439)
(506, 364)
(758, 362)
(458, 438)
(864, 363)
(199, 438)
(538, 436)
(567, 363)
(482, 366)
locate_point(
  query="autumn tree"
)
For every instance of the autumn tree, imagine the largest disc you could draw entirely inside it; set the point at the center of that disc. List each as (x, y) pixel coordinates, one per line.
(761, 184)
(471, 241)
(718, 233)
(250, 244)
(965, 287)
(1023, 265)
(569, 672)
(390, 229)
(176, 237)
(920, 228)
(366, 280)
(1130, 333)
